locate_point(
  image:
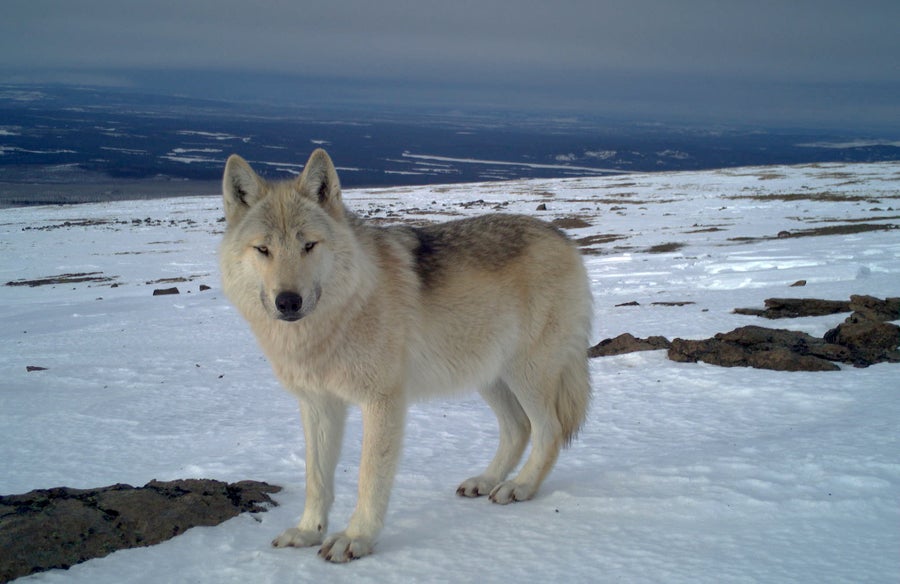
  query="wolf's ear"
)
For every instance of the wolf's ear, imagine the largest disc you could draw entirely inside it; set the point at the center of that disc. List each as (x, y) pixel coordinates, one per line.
(320, 180)
(241, 188)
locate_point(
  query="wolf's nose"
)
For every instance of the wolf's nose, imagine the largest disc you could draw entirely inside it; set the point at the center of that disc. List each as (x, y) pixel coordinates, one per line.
(288, 304)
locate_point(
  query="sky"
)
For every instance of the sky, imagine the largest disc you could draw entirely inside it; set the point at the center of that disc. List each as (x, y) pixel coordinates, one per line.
(811, 61)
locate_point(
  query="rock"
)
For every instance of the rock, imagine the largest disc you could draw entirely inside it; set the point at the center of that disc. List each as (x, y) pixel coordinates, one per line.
(541, 207)
(875, 308)
(796, 307)
(868, 339)
(861, 340)
(60, 527)
(165, 291)
(669, 247)
(570, 223)
(763, 348)
(627, 343)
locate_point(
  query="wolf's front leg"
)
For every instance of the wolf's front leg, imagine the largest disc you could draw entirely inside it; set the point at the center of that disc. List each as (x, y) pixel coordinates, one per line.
(323, 427)
(382, 441)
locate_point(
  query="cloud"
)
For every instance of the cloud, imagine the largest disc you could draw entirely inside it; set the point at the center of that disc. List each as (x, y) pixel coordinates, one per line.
(824, 40)
(658, 53)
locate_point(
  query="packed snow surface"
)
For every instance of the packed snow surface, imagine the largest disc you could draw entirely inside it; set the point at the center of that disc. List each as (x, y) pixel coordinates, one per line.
(682, 473)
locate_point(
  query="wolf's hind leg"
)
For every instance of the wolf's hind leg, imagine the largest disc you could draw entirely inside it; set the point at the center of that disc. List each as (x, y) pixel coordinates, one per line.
(514, 431)
(537, 396)
(323, 428)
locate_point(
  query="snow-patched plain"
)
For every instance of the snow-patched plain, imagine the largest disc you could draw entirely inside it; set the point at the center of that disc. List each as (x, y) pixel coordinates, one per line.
(683, 472)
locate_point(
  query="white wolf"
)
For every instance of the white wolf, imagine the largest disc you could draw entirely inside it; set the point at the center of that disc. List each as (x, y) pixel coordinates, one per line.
(352, 313)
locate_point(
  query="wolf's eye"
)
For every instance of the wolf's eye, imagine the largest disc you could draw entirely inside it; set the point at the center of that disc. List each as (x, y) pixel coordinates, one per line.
(309, 246)
(262, 249)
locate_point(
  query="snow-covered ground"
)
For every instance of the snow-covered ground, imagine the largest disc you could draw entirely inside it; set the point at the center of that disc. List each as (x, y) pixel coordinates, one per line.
(683, 472)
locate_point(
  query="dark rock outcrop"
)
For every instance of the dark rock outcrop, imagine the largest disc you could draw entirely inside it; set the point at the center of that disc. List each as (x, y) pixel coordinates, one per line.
(763, 348)
(865, 338)
(796, 307)
(865, 334)
(875, 308)
(627, 343)
(60, 527)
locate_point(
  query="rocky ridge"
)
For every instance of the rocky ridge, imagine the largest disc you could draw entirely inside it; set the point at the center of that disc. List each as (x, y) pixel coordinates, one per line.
(864, 338)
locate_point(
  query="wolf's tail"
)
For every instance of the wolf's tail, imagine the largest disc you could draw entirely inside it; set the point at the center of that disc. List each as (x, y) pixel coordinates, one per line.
(574, 387)
(574, 395)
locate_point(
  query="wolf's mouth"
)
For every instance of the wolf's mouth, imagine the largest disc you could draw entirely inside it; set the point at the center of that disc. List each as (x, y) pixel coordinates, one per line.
(290, 317)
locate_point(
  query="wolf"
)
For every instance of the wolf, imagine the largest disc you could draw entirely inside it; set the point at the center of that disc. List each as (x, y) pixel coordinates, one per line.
(350, 313)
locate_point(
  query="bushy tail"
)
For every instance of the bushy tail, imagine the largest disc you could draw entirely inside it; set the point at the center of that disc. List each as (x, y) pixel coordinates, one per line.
(573, 395)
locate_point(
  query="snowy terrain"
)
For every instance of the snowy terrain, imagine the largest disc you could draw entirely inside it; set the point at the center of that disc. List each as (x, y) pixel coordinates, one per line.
(683, 472)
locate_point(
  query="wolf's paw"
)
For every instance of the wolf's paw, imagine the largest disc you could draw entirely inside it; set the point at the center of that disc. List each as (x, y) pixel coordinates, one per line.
(475, 487)
(511, 491)
(340, 548)
(294, 537)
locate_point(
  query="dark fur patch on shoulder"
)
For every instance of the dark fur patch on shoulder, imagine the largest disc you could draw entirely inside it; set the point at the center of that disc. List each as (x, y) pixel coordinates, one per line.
(428, 256)
(487, 242)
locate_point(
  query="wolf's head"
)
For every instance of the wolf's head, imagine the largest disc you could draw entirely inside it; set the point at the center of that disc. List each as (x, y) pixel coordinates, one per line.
(283, 238)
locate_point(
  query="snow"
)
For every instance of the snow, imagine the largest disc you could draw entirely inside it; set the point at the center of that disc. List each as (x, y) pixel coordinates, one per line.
(213, 135)
(522, 164)
(683, 472)
(852, 144)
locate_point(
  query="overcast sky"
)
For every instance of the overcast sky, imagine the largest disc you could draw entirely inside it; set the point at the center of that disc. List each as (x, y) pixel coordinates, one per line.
(809, 60)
